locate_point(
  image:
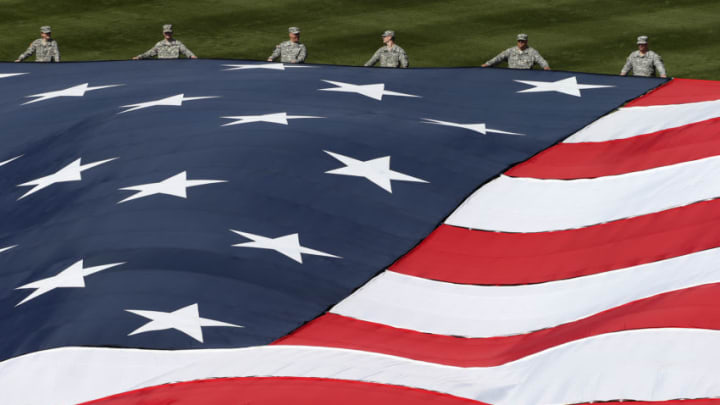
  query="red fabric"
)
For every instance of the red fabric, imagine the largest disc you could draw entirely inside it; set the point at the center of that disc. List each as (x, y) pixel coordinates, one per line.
(680, 91)
(705, 401)
(689, 308)
(460, 255)
(596, 159)
(280, 391)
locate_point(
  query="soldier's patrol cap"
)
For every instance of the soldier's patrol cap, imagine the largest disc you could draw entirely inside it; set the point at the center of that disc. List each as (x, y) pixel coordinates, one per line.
(45, 29)
(388, 33)
(642, 39)
(522, 37)
(294, 30)
(167, 28)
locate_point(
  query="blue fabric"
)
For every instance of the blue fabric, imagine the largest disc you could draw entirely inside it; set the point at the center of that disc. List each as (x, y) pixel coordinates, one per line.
(179, 252)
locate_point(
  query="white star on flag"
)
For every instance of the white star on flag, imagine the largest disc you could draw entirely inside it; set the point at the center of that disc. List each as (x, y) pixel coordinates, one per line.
(175, 101)
(176, 186)
(75, 91)
(276, 118)
(479, 127)
(6, 248)
(71, 277)
(374, 91)
(288, 245)
(270, 66)
(3, 163)
(186, 320)
(568, 86)
(4, 75)
(376, 170)
(71, 172)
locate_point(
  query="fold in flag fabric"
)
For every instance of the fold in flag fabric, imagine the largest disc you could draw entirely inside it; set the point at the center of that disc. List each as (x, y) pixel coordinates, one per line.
(549, 239)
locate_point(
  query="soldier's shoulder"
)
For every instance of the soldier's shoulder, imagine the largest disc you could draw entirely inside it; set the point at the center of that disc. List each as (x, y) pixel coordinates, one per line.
(160, 43)
(399, 48)
(654, 54)
(36, 42)
(285, 43)
(634, 54)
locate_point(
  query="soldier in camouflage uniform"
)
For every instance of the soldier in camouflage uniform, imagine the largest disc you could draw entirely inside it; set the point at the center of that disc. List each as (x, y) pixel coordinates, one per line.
(644, 62)
(291, 51)
(45, 48)
(168, 48)
(389, 55)
(519, 57)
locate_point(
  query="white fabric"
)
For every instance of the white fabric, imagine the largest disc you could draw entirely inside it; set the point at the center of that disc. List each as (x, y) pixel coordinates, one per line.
(519, 204)
(633, 121)
(437, 307)
(652, 365)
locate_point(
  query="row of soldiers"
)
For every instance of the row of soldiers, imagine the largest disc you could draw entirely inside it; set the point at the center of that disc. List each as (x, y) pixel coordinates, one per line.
(642, 62)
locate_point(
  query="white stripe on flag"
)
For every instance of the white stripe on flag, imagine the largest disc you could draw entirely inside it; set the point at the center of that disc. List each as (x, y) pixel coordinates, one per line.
(512, 204)
(429, 306)
(633, 121)
(623, 365)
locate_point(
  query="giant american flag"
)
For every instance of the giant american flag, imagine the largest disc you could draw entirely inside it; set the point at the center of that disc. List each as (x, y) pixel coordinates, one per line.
(216, 231)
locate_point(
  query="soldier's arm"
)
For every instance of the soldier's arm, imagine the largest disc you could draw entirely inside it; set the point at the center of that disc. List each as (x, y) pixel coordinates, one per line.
(501, 57)
(659, 66)
(150, 53)
(627, 68)
(302, 55)
(275, 54)
(404, 63)
(29, 51)
(374, 59)
(56, 52)
(541, 61)
(185, 51)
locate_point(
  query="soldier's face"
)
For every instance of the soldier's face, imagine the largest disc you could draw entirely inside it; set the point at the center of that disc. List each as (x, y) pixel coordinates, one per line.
(44, 35)
(522, 44)
(167, 35)
(643, 47)
(387, 39)
(294, 37)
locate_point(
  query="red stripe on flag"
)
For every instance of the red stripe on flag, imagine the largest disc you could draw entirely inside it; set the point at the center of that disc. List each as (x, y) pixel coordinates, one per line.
(596, 159)
(689, 308)
(459, 255)
(680, 91)
(280, 391)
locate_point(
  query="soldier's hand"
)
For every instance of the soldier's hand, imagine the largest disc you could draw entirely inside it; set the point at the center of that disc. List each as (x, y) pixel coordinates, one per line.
(484, 65)
(136, 57)
(269, 59)
(17, 60)
(193, 57)
(293, 61)
(546, 68)
(663, 76)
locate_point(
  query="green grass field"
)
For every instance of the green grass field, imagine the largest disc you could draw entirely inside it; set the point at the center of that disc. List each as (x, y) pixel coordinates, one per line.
(579, 35)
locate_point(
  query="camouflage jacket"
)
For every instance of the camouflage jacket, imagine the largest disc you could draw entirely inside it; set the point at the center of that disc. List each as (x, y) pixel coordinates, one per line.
(290, 52)
(45, 51)
(644, 65)
(392, 57)
(519, 59)
(167, 50)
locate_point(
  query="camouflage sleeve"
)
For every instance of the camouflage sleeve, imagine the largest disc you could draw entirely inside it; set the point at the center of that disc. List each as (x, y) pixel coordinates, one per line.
(659, 65)
(29, 51)
(302, 55)
(185, 51)
(374, 59)
(540, 60)
(628, 66)
(501, 57)
(55, 52)
(150, 53)
(404, 63)
(276, 53)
